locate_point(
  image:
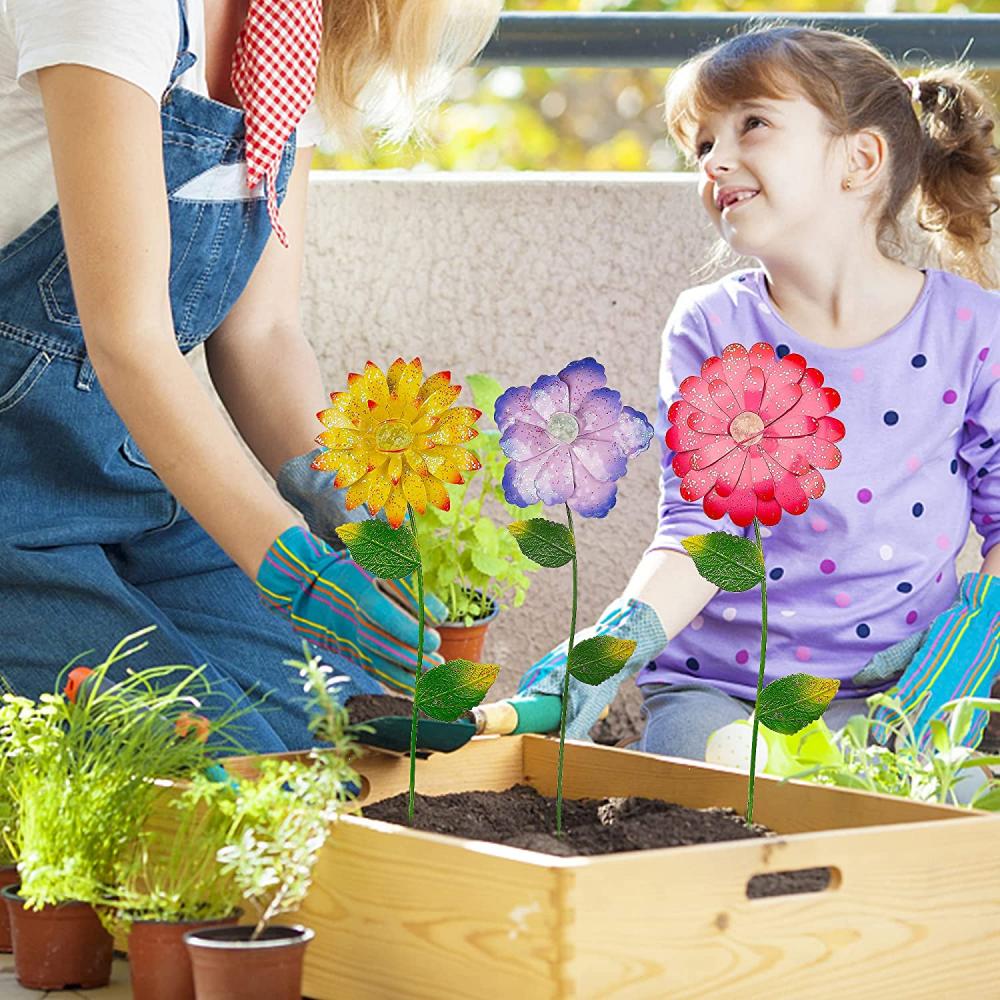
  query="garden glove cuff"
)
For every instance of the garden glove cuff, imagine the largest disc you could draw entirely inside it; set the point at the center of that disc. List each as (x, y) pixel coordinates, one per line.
(888, 665)
(957, 659)
(336, 604)
(625, 618)
(312, 493)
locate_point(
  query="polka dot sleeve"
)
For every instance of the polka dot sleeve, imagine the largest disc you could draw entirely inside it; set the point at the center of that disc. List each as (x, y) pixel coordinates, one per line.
(980, 443)
(686, 344)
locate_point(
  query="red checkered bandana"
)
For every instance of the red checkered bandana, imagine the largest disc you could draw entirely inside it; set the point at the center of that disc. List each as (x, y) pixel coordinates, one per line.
(274, 76)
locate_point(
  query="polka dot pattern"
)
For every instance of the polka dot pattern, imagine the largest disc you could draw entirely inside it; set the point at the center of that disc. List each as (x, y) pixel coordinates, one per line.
(828, 566)
(864, 496)
(950, 396)
(918, 360)
(890, 417)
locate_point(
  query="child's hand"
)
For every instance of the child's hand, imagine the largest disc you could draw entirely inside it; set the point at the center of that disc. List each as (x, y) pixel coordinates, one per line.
(890, 663)
(958, 657)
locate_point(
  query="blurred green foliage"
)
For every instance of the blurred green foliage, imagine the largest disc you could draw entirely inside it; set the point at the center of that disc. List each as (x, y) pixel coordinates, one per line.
(514, 118)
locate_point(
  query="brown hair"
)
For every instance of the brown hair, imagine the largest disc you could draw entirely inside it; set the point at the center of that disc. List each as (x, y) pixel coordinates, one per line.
(945, 150)
(385, 63)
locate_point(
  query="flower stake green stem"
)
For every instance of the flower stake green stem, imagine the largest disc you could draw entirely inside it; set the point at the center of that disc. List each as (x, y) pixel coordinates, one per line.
(566, 676)
(419, 670)
(760, 676)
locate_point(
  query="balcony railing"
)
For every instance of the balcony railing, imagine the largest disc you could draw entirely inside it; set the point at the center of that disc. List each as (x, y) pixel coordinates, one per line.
(604, 40)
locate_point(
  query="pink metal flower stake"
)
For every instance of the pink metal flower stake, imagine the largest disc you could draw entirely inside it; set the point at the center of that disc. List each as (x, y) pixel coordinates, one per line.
(568, 439)
(749, 435)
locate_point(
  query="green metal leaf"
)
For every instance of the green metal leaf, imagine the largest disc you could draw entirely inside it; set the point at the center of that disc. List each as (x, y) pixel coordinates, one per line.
(791, 703)
(450, 689)
(543, 541)
(385, 553)
(729, 561)
(594, 660)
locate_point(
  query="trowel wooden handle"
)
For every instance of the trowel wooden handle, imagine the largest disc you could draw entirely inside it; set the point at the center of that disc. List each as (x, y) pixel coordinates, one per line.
(538, 713)
(496, 717)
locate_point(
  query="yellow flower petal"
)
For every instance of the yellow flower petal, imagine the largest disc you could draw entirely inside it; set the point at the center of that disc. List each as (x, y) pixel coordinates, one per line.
(395, 468)
(416, 462)
(350, 471)
(329, 461)
(378, 491)
(340, 438)
(439, 401)
(408, 381)
(456, 426)
(376, 386)
(346, 411)
(413, 491)
(461, 458)
(395, 509)
(443, 470)
(358, 493)
(435, 383)
(437, 494)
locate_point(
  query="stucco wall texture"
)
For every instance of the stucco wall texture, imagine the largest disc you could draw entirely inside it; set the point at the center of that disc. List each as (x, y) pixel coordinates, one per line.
(516, 275)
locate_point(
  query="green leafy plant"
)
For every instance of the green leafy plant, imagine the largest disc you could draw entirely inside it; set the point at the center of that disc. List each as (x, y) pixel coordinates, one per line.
(279, 821)
(849, 758)
(84, 774)
(470, 560)
(8, 813)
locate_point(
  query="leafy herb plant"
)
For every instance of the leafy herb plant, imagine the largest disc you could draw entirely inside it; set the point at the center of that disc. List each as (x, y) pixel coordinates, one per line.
(470, 560)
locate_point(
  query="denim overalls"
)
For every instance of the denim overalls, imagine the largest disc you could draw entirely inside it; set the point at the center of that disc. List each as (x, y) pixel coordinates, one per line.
(92, 545)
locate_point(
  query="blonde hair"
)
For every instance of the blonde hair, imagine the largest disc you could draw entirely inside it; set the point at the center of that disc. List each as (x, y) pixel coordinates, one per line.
(945, 152)
(385, 64)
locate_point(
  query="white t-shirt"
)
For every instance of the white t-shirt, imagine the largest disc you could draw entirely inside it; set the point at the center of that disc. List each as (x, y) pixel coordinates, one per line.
(133, 39)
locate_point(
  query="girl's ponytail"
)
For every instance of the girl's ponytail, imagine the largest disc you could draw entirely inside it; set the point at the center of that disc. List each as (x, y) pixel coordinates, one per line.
(957, 164)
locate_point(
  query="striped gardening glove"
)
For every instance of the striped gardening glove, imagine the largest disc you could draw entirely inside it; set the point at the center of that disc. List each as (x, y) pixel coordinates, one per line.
(336, 604)
(956, 657)
(625, 618)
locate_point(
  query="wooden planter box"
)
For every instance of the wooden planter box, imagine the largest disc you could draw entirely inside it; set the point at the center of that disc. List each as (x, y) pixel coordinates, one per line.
(913, 908)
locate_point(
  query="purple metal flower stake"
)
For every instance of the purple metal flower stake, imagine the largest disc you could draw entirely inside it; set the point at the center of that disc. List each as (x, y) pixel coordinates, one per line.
(568, 438)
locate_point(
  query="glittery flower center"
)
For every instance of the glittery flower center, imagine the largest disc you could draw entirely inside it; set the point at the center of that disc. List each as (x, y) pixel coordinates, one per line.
(563, 427)
(393, 436)
(746, 428)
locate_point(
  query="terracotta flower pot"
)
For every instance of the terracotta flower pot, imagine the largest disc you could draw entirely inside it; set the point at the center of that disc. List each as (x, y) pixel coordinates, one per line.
(8, 876)
(58, 947)
(465, 642)
(229, 966)
(159, 966)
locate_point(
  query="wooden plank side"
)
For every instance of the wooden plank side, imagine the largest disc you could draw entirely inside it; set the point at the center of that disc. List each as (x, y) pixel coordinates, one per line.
(915, 912)
(787, 806)
(399, 914)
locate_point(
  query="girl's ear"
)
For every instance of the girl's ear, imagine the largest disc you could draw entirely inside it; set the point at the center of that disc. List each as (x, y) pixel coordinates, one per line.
(867, 157)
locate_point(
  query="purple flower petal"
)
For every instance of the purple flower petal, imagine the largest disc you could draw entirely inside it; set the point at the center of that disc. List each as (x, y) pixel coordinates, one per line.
(602, 459)
(634, 431)
(581, 377)
(519, 481)
(554, 480)
(523, 442)
(600, 408)
(549, 394)
(592, 498)
(515, 404)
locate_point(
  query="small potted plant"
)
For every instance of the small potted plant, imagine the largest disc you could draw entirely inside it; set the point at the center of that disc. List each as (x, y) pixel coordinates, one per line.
(82, 776)
(471, 562)
(276, 825)
(173, 883)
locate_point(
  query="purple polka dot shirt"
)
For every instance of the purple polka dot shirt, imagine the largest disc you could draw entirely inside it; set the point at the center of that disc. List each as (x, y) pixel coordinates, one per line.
(873, 559)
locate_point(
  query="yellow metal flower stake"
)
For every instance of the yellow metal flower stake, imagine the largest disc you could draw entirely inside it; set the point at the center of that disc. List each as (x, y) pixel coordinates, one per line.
(394, 440)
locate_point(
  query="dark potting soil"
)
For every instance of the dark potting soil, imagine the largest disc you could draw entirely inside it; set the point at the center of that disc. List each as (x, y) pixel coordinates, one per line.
(520, 817)
(363, 707)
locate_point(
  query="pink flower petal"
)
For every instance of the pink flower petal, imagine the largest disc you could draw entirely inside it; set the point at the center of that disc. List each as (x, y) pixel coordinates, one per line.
(684, 439)
(778, 399)
(792, 424)
(790, 494)
(760, 474)
(723, 397)
(729, 470)
(712, 369)
(695, 390)
(823, 455)
(830, 429)
(697, 483)
(549, 394)
(711, 452)
(634, 431)
(762, 355)
(819, 402)
(742, 507)
(768, 511)
(736, 362)
(752, 389)
(705, 423)
(681, 463)
(791, 455)
(813, 484)
(515, 404)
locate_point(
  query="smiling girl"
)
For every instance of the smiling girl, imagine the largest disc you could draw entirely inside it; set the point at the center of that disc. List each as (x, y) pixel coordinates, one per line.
(809, 145)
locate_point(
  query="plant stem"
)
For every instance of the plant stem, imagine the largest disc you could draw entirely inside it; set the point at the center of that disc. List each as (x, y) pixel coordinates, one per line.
(760, 677)
(420, 664)
(565, 689)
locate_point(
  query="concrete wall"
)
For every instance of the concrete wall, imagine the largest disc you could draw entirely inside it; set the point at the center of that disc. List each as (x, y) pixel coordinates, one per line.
(514, 275)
